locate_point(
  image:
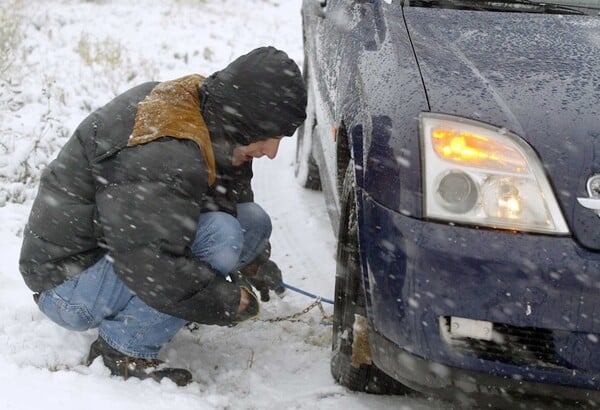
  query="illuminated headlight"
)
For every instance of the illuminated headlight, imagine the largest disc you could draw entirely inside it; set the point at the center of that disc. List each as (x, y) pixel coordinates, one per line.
(481, 175)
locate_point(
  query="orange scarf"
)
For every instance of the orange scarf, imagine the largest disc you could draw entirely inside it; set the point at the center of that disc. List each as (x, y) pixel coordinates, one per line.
(172, 109)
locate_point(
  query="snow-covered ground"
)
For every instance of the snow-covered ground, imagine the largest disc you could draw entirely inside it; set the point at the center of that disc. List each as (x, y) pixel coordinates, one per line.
(73, 57)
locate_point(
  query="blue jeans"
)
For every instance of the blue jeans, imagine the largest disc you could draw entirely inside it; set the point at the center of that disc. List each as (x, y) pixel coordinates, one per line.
(98, 298)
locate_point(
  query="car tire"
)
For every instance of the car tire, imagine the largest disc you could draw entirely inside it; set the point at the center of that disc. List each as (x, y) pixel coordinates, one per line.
(305, 166)
(350, 304)
(306, 169)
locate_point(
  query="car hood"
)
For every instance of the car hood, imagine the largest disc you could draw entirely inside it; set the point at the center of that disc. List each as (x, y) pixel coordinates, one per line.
(535, 74)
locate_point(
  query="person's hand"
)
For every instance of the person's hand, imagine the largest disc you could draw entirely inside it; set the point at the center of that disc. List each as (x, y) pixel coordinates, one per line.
(244, 300)
(264, 277)
(249, 306)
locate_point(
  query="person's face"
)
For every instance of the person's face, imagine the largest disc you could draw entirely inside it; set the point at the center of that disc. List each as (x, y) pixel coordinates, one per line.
(244, 153)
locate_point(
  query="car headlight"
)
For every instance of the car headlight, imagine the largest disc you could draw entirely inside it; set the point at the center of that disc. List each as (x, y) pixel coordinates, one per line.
(482, 175)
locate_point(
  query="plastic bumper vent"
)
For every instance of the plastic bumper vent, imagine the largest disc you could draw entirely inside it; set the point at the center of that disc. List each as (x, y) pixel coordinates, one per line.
(507, 344)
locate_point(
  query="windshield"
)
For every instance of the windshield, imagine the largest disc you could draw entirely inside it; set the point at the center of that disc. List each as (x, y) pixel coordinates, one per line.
(590, 7)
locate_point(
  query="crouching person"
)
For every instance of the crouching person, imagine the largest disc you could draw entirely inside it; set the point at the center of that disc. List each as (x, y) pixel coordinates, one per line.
(148, 208)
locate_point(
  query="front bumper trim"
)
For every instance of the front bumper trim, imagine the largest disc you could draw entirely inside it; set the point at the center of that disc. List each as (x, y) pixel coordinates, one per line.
(471, 388)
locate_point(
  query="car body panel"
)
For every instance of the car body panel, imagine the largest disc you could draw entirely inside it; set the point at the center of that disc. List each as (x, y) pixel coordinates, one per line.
(436, 270)
(336, 92)
(373, 67)
(501, 68)
(391, 157)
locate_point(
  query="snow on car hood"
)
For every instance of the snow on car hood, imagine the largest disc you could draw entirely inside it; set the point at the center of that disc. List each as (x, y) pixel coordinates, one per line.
(535, 74)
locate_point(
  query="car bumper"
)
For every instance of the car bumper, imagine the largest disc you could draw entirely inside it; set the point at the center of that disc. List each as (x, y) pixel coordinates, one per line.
(540, 294)
(470, 388)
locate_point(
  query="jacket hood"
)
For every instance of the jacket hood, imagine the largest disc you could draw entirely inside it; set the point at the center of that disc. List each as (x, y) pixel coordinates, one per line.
(259, 95)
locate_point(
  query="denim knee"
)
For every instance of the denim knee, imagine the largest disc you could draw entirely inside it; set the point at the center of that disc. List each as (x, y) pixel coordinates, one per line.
(254, 218)
(228, 229)
(257, 228)
(219, 240)
(217, 228)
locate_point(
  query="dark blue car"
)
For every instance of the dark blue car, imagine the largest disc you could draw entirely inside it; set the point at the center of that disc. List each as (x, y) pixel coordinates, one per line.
(458, 146)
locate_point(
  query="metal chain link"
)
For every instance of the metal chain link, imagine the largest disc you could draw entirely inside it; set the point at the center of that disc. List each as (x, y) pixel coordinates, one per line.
(325, 318)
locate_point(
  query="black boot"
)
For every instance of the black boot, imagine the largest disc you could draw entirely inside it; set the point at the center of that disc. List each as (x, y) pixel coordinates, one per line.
(127, 366)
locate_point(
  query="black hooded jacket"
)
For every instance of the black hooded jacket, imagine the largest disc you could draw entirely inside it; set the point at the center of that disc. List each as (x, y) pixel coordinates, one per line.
(140, 204)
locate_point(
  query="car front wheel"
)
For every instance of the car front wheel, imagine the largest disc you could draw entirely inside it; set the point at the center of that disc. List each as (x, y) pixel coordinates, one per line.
(350, 363)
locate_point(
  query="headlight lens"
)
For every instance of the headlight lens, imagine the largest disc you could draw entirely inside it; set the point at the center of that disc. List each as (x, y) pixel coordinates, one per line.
(482, 175)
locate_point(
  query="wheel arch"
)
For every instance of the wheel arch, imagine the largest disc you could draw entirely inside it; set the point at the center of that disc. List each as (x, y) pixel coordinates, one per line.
(343, 155)
(350, 149)
(351, 362)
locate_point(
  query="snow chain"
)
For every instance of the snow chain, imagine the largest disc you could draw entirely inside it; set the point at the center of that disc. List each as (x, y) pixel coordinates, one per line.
(325, 318)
